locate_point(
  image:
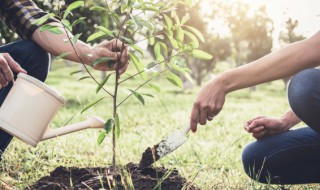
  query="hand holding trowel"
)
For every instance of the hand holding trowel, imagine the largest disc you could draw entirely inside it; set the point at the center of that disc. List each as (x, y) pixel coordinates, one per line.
(166, 146)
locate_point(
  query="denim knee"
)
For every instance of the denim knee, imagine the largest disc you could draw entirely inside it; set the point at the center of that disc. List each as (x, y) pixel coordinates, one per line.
(38, 58)
(304, 97)
(253, 163)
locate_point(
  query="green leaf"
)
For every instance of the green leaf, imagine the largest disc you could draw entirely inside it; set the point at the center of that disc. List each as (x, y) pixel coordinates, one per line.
(155, 87)
(51, 28)
(138, 49)
(185, 19)
(137, 95)
(92, 104)
(101, 137)
(149, 95)
(128, 40)
(164, 48)
(175, 80)
(103, 82)
(123, 8)
(148, 25)
(196, 32)
(71, 7)
(149, 8)
(108, 125)
(85, 77)
(177, 20)
(193, 39)
(180, 35)
(157, 52)
(175, 67)
(81, 19)
(42, 20)
(66, 24)
(173, 42)
(75, 72)
(105, 30)
(152, 64)
(137, 21)
(188, 77)
(168, 22)
(75, 38)
(96, 35)
(151, 40)
(117, 123)
(98, 8)
(139, 66)
(201, 54)
(62, 55)
(101, 60)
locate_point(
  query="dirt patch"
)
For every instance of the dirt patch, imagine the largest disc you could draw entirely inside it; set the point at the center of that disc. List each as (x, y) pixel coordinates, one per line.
(128, 177)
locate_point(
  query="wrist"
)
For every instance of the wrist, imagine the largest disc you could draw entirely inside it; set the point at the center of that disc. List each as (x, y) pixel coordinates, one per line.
(225, 82)
(286, 122)
(85, 52)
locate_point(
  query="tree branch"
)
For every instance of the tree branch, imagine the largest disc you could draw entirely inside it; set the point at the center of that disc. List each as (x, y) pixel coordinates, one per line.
(146, 82)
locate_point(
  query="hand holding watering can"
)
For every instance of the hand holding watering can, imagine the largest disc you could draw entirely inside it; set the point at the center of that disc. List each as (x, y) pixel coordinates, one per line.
(29, 108)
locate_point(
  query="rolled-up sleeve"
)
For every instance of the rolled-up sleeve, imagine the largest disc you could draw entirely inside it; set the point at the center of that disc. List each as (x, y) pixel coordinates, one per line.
(19, 15)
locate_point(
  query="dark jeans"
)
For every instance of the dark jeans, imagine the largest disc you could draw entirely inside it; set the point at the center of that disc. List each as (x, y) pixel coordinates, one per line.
(292, 157)
(34, 60)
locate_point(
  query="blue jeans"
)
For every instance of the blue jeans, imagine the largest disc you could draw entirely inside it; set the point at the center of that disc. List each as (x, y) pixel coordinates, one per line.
(292, 157)
(34, 60)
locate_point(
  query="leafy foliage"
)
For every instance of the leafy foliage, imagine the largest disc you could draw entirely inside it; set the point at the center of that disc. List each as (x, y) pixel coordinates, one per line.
(136, 21)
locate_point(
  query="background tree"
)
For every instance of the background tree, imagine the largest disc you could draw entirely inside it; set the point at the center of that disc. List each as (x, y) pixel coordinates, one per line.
(289, 36)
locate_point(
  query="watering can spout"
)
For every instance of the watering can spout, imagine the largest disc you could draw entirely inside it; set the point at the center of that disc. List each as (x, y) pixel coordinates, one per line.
(91, 122)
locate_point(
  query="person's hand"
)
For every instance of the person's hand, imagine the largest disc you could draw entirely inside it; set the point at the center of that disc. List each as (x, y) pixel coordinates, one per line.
(264, 126)
(208, 104)
(7, 65)
(110, 49)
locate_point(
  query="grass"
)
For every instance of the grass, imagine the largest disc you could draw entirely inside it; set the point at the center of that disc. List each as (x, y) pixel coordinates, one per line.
(211, 158)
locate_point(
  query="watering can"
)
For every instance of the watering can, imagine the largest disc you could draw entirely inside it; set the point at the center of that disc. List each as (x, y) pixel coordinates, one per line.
(29, 108)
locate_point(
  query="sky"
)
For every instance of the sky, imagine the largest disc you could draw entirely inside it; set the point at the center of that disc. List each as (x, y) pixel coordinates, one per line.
(307, 12)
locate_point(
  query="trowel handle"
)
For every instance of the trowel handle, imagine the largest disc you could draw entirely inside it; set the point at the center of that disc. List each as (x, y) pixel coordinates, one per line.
(186, 129)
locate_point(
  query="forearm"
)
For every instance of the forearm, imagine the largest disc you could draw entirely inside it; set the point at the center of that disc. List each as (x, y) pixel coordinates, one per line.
(282, 63)
(57, 44)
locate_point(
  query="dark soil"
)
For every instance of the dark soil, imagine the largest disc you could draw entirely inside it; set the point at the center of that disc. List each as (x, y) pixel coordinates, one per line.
(149, 156)
(129, 177)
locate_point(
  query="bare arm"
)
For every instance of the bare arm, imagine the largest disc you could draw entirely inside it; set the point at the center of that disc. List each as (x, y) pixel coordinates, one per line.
(282, 63)
(57, 44)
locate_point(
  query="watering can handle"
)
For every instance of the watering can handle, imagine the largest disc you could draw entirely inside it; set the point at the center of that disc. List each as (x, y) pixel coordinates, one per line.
(91, 122)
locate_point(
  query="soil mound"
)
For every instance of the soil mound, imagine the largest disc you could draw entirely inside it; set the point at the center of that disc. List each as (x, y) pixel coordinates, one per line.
(128, 177)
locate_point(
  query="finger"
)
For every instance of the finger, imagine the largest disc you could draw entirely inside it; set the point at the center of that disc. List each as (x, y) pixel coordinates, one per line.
(251, 120)
(124, 56)
(3, 80)
(256, 123)
(116, 45)
(14, 65)
(257, 129)
(194, 118)
(260, 135)
(123, 69)
(5, 69)
(203, 117)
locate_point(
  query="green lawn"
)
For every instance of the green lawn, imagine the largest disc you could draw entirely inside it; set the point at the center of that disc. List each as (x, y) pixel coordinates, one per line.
(211, 158)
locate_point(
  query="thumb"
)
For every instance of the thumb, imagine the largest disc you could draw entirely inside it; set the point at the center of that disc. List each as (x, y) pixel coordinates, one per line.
(15, 66)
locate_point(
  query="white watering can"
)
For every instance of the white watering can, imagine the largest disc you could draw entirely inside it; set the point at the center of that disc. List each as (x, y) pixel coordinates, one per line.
(29, 108)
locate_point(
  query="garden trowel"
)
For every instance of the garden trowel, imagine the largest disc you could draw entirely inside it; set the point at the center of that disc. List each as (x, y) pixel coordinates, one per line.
(166, 146)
